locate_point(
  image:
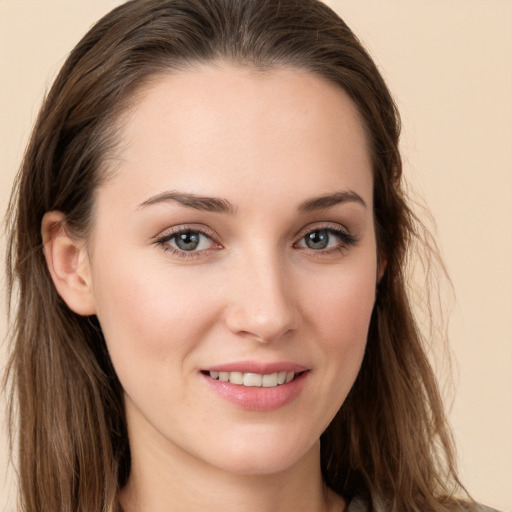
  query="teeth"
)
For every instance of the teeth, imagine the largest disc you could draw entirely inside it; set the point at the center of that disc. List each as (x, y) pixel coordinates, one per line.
(269, 381)
(236, 377)
(254, 380)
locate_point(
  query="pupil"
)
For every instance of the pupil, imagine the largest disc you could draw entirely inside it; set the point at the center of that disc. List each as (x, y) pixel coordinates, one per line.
(187, 241)
(317, 239)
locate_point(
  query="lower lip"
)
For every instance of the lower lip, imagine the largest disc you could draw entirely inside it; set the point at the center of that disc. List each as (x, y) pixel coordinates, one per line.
(258, 398)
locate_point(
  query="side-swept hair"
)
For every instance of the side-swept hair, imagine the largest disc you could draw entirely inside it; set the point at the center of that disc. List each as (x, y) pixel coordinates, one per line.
(389, 440)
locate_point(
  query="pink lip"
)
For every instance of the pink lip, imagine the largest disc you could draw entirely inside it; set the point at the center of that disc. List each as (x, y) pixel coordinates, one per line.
(257, 367)
(258, 398)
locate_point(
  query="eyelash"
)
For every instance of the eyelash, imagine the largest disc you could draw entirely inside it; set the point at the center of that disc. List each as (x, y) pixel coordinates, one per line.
(345, 238)
(165, 238)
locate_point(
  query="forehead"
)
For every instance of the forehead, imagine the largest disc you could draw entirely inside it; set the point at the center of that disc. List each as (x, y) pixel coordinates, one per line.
(206, 129)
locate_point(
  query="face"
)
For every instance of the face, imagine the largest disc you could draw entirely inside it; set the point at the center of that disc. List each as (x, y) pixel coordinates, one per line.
(233, 264)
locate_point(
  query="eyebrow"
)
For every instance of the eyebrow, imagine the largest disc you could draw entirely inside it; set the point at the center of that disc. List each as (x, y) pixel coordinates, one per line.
(217, 205)
(207, 204)
(330, 200)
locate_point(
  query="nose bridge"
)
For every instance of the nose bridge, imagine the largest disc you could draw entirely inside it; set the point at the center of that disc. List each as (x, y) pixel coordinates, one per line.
(262, 305)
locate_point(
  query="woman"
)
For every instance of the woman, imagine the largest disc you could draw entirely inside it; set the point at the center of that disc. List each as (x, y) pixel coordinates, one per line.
(211, 211)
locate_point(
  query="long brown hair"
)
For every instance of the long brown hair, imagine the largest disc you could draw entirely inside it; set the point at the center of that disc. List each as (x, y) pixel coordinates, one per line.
(389, 440)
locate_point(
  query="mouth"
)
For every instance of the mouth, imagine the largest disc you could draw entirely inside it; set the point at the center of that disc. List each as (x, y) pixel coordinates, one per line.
(254, 380)
(257, 386)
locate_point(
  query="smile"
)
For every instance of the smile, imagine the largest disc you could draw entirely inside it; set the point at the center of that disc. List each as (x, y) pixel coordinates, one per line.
(257, 388)
(254, 380)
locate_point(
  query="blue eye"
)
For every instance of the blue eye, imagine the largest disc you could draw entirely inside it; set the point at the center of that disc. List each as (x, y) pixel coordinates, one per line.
(326, 238)
(189, 240)
(186, 240)
(318, 239)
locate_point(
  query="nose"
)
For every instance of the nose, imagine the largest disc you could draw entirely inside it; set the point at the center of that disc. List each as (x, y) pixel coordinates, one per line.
(262, 304)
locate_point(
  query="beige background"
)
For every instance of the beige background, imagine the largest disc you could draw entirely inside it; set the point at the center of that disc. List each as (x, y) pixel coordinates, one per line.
(448, 63)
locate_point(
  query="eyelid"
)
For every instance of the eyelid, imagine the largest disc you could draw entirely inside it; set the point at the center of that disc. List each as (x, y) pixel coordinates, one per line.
(347, 239)
(317, 226)
(163, 237)
(176, 230)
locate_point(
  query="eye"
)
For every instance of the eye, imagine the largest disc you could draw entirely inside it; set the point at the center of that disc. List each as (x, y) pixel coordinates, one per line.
(318, 240)
(186, 242)
(190, 241)
(325, 238)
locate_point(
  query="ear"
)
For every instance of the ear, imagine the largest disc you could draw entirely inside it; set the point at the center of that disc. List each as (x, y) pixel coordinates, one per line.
(381, 267)
(68, 263)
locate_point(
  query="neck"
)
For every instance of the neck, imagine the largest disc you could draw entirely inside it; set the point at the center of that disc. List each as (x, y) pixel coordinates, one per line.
(165, 478)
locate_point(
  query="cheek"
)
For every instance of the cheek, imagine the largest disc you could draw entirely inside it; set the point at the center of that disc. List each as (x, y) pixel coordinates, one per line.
(345, 333)
(149, 314)
(343, 302)
(337, 315)
(340, 311)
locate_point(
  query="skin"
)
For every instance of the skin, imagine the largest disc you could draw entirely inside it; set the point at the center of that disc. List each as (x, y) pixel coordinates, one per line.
(266, 142)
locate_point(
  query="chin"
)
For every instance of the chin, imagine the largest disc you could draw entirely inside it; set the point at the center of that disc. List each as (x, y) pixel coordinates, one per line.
(266, 456)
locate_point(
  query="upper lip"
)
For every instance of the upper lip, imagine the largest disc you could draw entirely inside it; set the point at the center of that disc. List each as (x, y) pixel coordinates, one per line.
(257, 367)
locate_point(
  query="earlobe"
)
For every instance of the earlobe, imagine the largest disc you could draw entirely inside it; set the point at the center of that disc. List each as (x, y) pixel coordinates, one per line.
(68, 263)
(381, 268)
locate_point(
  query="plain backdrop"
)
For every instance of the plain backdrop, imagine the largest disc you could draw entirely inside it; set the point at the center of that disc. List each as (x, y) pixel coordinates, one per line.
(448, 63)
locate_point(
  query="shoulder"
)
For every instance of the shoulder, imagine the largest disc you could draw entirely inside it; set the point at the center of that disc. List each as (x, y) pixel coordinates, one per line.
(359, 504)
(483, 508)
